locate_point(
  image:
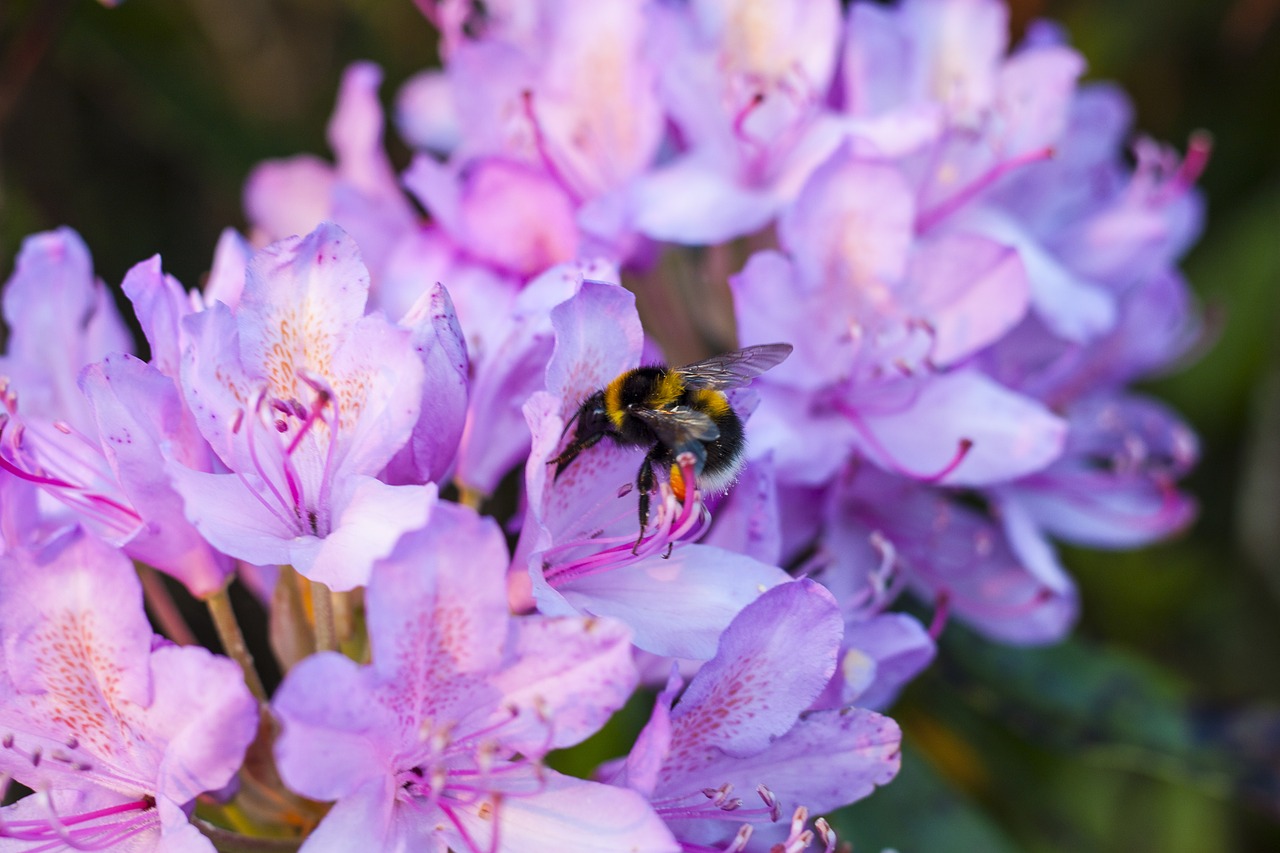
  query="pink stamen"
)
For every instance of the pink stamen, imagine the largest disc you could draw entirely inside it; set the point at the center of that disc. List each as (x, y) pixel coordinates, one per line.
(963, 446)
(334, 422)
(57, 832)
(255, 406)
(544, 149)
(117, 515)
(1199, 149)
(941, 611)
(740, 120)
(929, 218)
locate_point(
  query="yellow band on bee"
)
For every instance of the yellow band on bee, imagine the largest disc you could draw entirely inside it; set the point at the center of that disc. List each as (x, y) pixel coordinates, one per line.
(667, 392)
(713, 402)
(613, 401)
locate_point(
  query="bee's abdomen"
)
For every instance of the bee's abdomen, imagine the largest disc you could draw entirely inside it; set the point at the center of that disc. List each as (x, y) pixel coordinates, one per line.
(726, 454)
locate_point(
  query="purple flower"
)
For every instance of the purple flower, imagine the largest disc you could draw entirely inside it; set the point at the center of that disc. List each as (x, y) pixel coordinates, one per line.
(745, 87)
(61, 318)
(554, 111)
(361, 192)
(305, 400)
(438, 742)
(994, 568)
(101, 448)
(884, 324)
(742, 729)
(116, 730)
(578, 541)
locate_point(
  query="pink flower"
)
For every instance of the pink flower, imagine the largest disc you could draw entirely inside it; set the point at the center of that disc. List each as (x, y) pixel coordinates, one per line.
(305, 400)
(439, 741)
(116, 730)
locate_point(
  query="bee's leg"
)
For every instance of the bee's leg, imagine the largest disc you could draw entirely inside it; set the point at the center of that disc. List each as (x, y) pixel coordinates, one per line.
(571, 452)
(644, 485)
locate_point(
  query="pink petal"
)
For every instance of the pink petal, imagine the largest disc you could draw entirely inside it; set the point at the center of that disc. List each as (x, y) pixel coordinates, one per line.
(572, 672)
(1009, 435)
(676, 607)
(440, 596)
(369, 520)
(336, 737)
(971, 289)
(772, 661)
(569, 814)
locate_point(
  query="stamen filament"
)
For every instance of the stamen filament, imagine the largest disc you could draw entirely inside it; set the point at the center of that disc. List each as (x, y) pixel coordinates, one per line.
(942, 210)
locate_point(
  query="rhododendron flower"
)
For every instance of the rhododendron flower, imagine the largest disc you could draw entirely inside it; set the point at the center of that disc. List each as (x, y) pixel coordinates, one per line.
(115, 729)
(305, 400)
(438, 742)
(738, 745)
(878, 317)
(95, 436)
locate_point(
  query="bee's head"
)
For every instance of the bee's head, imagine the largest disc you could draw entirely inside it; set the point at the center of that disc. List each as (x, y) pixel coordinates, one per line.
(592, 417)
(593, 424)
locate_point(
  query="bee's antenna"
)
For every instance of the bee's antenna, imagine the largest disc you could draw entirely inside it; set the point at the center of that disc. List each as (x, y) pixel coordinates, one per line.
(569, 422)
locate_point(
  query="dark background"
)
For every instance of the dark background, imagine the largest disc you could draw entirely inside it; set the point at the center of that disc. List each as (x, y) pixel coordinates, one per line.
(1157, 727)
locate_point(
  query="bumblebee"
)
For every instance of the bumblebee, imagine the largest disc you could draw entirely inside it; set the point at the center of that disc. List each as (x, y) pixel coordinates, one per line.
(681, 414)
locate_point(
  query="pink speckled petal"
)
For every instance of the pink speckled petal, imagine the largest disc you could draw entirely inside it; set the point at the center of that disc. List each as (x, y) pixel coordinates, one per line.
(437, 606)
(827, 760)
(160, 303)
(301, 296)
(74, 629)
(142, 421)
(231, 256)
(571, 672)
(439, 343)
(378, 379)
(774, 659)
(214, 383)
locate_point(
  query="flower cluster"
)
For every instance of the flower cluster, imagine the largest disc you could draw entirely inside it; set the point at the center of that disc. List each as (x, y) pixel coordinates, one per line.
(969, 275)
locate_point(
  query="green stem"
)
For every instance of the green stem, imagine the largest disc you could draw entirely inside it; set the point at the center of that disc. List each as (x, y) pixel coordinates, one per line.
(224, 621)
(227, 841)
(322, 608)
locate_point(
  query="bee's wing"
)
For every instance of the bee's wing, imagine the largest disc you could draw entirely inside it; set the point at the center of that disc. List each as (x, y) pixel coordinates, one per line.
(679, 427)
(733, 368)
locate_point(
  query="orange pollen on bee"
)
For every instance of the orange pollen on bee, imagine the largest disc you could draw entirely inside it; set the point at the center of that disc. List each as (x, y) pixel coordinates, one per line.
(677, 483)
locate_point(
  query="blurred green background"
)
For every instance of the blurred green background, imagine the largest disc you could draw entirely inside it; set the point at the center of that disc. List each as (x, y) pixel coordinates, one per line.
(1156, 728)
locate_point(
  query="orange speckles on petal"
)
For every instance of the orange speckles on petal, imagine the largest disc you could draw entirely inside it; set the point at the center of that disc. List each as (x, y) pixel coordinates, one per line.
(83, 684)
